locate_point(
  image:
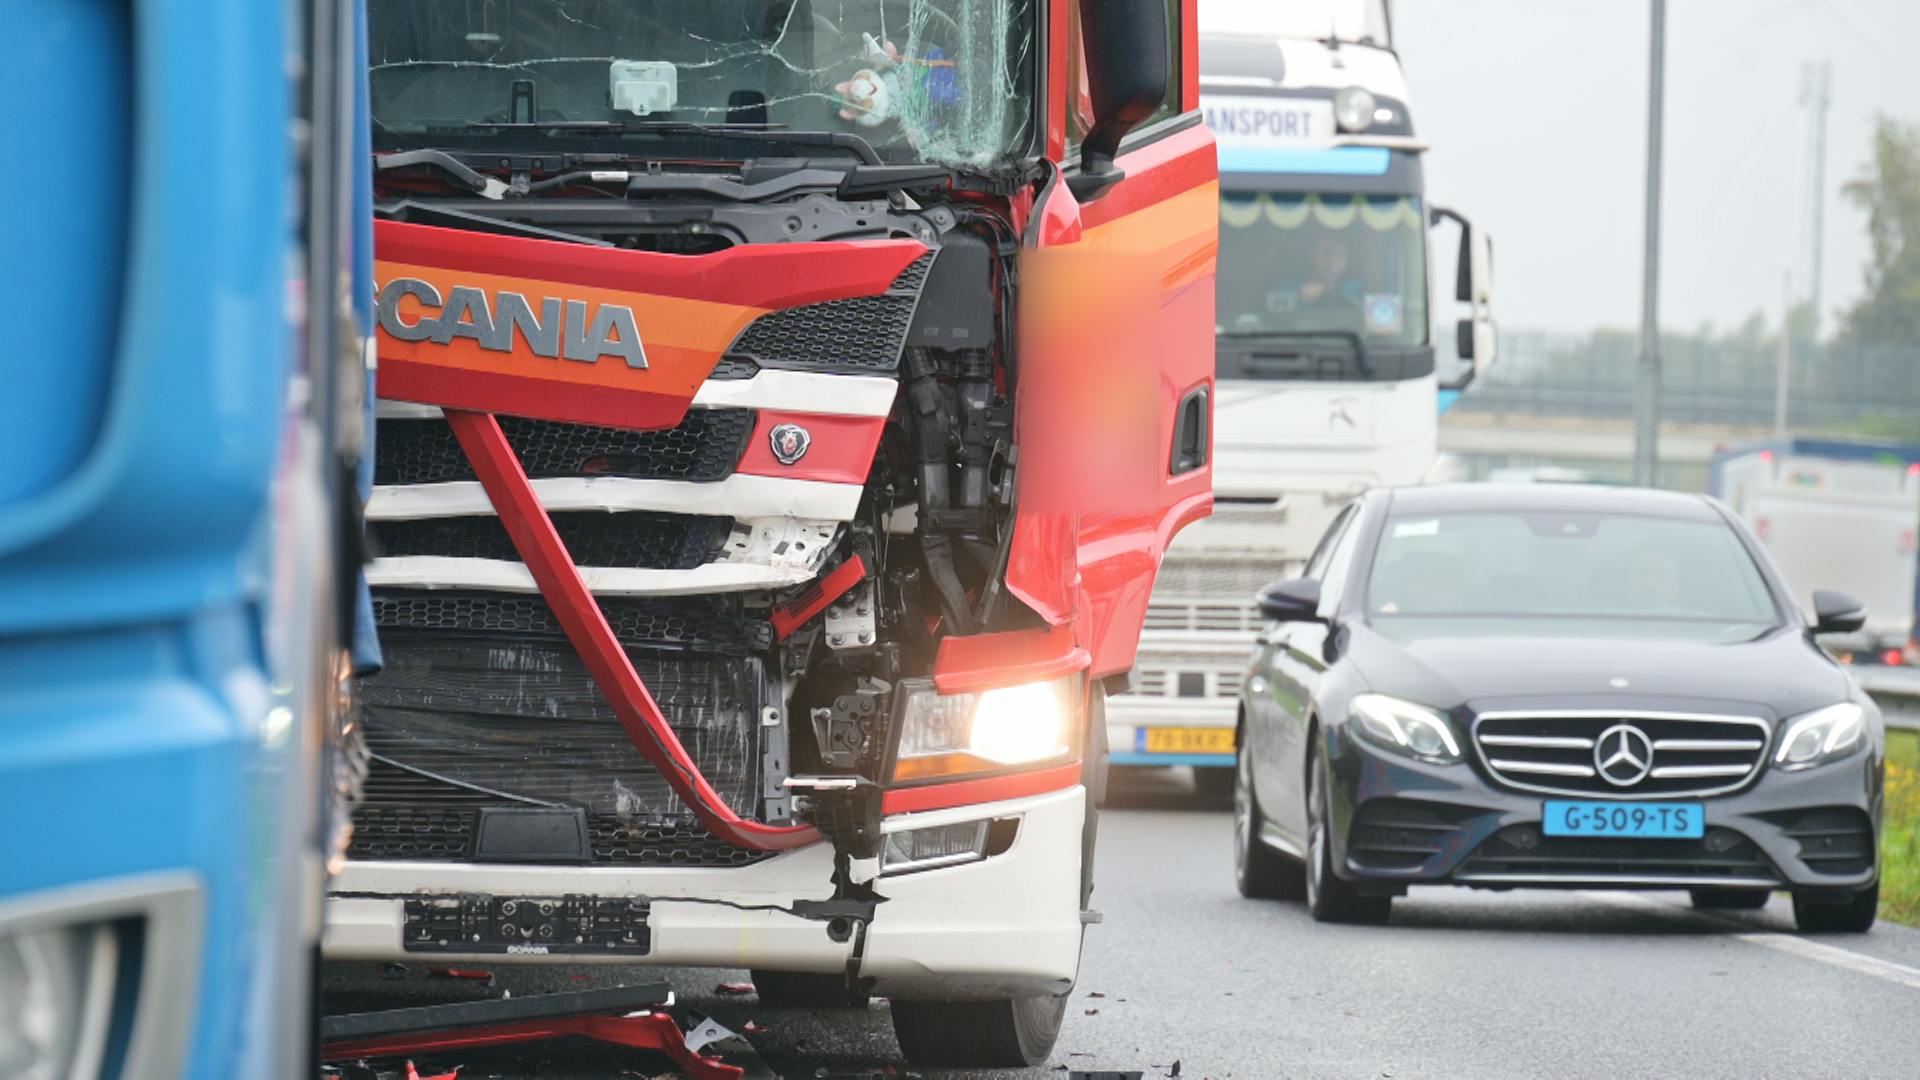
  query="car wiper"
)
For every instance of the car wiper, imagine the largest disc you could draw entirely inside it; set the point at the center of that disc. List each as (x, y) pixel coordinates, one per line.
(1359, 344)
(488, 187)
(761, 133)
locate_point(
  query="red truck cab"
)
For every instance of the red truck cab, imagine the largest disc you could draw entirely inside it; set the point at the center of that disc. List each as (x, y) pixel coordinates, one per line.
(784, 406)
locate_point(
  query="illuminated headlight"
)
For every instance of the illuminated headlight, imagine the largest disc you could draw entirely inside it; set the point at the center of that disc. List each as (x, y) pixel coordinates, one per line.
(1010, 728)
(1403, 727)
(1353, 109)
(1821, 735)
(56, 1000)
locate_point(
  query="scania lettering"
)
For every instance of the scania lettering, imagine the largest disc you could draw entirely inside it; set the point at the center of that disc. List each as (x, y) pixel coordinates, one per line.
(783, 409)
(590, 332)
(1324, 342)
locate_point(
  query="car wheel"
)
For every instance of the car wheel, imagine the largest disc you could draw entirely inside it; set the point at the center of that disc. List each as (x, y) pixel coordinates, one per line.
(1261, 872)
(1729, 899)
(982, 1034)
(808, 989)
(1850, 915)
(1330, 899)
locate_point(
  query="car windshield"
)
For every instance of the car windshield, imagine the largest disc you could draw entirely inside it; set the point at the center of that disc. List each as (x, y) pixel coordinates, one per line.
(1349, 264)
(1594, 571)
(946, 82)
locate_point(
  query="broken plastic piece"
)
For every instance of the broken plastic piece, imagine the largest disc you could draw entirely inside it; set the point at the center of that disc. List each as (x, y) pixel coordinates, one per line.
(734, 988)
(823, 592)
(475, 974)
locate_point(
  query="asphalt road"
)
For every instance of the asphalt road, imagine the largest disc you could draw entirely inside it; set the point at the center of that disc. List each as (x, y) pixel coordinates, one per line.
(1460, 983)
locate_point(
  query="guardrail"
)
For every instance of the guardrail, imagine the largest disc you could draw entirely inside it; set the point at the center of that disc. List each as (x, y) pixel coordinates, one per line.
(1897, 690)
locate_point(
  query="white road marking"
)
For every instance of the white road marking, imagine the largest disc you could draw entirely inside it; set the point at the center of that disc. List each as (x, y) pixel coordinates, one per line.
(1805, 948)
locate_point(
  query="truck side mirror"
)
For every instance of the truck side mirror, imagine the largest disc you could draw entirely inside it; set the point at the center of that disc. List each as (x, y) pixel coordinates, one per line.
(1837, 613)
(1293, 600)
(1475, 338)
(1128, 71)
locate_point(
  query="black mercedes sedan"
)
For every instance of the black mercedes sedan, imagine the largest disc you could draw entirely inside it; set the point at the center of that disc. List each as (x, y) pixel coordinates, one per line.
(1553, 686)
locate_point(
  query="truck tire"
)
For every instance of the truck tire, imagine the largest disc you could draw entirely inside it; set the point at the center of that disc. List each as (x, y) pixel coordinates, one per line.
(1214, 784)
(1007, 1034)
(1849, 915)
(809, 990)
(1261, 872)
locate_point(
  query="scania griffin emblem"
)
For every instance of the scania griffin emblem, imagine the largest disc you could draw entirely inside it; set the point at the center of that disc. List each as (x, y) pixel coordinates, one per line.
(790, 442)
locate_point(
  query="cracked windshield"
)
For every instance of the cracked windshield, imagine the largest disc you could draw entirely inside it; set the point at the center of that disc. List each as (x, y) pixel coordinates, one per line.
(940, 82)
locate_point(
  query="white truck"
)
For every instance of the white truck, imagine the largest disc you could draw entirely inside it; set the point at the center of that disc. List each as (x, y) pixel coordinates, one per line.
(1324, 342)
(1838, 515)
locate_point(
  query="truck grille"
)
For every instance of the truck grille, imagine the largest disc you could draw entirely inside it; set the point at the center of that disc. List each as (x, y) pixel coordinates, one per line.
(1668, 754)
(1221, 617)
(407, 816)
(593, 538)
(1234, 581)
(1522, 854)
(705, 446)
(1191, 682)
(714, 623)
(519, 719)
(864, 333)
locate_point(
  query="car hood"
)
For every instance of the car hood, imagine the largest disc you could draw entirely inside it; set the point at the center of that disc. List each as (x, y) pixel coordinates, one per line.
(1780, 674)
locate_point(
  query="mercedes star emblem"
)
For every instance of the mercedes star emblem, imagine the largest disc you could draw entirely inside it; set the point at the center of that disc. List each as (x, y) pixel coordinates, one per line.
(790, 442)
(1623, 754)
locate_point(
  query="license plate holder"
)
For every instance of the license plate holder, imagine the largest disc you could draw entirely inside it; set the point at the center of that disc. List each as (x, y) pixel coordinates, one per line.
(1186, 740)
(1639, 820)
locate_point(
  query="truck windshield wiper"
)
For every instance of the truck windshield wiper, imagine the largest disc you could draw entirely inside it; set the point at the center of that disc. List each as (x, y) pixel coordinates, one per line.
(1359, 344)
(761, 133)
(488, 187)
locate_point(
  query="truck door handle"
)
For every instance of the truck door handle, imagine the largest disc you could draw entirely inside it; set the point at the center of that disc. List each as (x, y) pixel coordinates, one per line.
(1192, 432)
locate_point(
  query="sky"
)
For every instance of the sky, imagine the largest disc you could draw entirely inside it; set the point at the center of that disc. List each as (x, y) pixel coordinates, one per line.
(1536, 111)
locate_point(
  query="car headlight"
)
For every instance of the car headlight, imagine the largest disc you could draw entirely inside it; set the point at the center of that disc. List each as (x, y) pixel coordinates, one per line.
(1011, 728)
(1353, 109)
(1820, 736)
(56, 1000)
(1402, 726)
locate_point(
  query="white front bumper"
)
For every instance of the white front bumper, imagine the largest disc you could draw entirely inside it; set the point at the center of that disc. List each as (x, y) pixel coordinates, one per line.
(1005, 926)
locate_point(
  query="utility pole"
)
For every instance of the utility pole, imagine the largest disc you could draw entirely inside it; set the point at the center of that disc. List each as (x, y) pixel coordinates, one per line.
(1815, 82)
(1785, 365)
(1646, 421)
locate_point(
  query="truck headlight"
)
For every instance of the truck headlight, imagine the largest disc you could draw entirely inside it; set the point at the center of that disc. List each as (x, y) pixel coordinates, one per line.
(1403, 727)
(56, 1000)
(1008, 729)
(1353, 109)
(1821, 735)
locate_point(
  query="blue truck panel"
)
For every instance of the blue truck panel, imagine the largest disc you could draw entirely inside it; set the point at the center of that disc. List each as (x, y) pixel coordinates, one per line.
(148, 730)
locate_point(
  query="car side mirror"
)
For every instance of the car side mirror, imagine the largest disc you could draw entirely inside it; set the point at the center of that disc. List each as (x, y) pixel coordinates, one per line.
(1293, 600)
(1128, 71)
(1837, 613)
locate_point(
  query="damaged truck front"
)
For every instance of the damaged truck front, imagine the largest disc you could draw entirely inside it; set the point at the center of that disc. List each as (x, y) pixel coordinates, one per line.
(784, 406)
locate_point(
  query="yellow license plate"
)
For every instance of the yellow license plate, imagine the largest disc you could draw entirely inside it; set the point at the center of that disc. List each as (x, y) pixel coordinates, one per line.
(1181, 740)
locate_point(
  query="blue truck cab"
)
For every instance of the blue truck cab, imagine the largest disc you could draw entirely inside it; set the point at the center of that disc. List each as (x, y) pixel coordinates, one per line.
(176, 411)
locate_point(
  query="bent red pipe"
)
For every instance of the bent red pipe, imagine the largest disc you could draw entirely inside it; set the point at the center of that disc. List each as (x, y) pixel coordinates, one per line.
(579, 614)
